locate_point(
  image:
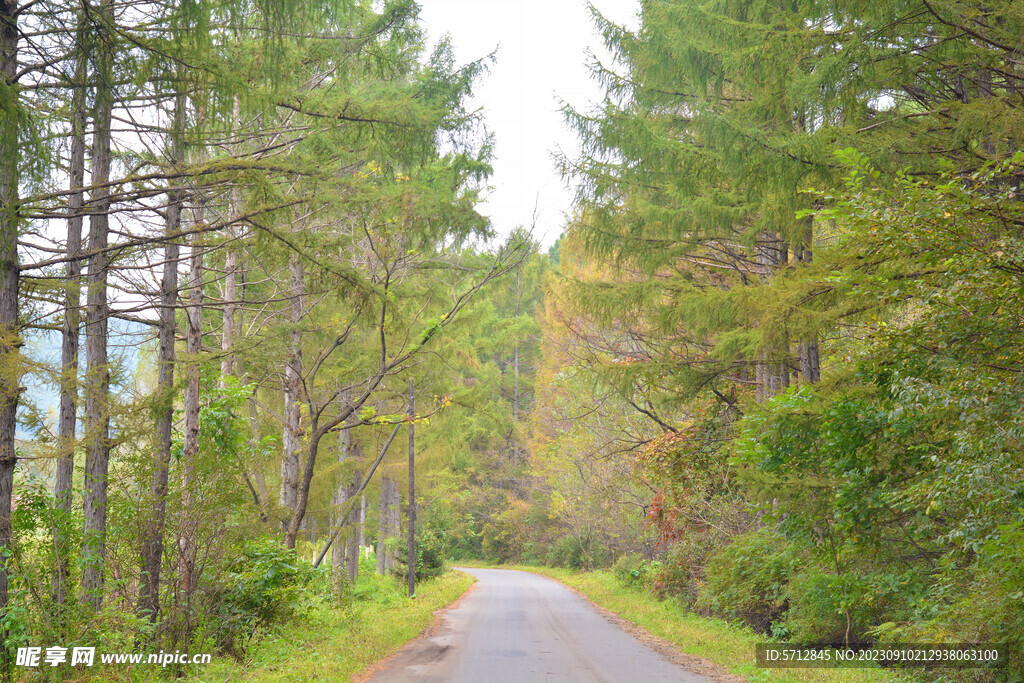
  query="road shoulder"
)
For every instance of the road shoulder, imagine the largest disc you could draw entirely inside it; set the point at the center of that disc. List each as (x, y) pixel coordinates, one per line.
(668, 650)
(706, 646)
(404, 653)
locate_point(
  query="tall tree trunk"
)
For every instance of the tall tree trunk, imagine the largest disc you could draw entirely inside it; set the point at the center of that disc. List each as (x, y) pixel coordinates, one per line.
(97, 382)
(352, 544)
(345, 552)
(293, 394)
(227, 362)
(384, 526)
(254, 442)
(412, 490)
(190, 450)
(10, 357)
(67, 421)
(230, 275)
(153, 543)
(339, 573)
(339, 551)
(261, 498)
(387, 525)
(810, 364)
(362, 521)
(395, 522)
(772, 373)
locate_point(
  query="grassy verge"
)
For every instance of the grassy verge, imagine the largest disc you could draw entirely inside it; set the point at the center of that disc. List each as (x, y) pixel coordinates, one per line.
(728, 646)
(327, 643)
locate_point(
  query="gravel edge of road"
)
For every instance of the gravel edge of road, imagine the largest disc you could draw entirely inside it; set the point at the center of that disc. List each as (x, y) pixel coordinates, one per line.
(431, 629)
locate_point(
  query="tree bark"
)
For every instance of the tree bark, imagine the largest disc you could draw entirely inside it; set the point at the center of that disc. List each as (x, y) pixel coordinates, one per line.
(352, 545)
(412, 490)
(810, 363)
(71, 329)
(230, 276)
(10, 341)
(772, 373)
(339, 575)
(339, 552)
(292, 394)
(386, 525)
(97, 384)
(153, 543)
(190, 450)
(362, 521)
(515, 371)
(254, 442)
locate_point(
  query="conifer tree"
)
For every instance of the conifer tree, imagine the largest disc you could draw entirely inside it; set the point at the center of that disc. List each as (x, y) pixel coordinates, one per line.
(71, 329)
(97, 384)
(9, 230)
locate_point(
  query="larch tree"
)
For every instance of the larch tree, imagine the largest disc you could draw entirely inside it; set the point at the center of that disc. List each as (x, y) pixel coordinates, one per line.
(97, 311)
(71, 328)
(691, 183)
(281, 206)
(10, 221)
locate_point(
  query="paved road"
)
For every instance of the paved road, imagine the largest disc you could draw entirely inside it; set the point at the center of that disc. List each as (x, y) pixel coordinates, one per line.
(520, 628)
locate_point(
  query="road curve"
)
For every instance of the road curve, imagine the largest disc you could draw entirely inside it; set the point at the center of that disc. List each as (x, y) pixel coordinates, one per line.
(520, 627)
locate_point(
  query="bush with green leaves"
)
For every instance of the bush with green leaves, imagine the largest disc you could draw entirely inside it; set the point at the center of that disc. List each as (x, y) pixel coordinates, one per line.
(430, 555)
(575, 553)
(262, 583)
(748, 580)
(631, 569)
(682, 569)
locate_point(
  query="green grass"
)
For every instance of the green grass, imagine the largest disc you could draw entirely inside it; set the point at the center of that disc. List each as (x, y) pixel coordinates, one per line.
(728, 646)
(327, 643)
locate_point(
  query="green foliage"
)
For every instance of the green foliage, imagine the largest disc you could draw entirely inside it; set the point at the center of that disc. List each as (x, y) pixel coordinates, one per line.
(15, 624)
(262, 583)
(682, 567)
(635, 403)
(430, 555)
(502, 539)
(338, 644)
(578, 553)
(748, 580)
(890, 489)
(634, 571)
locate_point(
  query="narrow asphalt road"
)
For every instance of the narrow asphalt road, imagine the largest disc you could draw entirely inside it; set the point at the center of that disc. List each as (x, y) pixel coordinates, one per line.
(520, 627)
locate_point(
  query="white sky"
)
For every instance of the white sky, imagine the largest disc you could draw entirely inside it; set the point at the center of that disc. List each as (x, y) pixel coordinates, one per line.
(542, 56)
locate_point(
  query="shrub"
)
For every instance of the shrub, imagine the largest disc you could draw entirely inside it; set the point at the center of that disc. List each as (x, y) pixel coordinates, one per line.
(565, 552)
(632, 570)
(503, 538)
(572, 553)
(818, 614)
(830, 608)
(263, 583)
(683, 567)
(748, 580)
(430, 557)
(980, 600)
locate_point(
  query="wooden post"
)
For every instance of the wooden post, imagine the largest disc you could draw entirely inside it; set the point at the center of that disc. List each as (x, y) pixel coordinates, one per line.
(412, 492)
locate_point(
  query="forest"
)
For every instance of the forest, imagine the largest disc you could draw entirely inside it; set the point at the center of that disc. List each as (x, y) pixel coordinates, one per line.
(770, 372)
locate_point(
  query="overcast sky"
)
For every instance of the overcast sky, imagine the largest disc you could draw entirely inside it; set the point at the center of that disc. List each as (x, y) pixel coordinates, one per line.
(542, 47)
